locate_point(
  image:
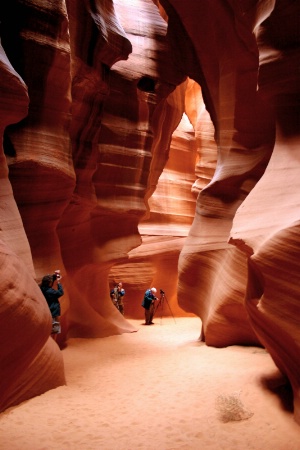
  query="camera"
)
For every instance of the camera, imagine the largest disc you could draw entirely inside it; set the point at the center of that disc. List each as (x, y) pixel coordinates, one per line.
(56, 275)
(161, 291)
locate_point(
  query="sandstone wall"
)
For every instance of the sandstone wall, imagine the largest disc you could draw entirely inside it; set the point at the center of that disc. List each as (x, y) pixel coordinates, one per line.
(240, 255)
(84, 115)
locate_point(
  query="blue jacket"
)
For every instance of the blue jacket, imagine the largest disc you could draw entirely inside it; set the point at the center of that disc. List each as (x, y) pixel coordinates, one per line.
(148, 299)
(52, 295)
(115, 294)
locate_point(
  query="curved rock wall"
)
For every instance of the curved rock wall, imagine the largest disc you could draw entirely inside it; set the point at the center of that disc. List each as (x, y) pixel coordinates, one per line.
(164, 229)
(240, 257)
(272, 240)
(84, 113)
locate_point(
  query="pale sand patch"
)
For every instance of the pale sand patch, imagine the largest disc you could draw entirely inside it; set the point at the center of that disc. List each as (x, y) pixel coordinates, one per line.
(156, 389)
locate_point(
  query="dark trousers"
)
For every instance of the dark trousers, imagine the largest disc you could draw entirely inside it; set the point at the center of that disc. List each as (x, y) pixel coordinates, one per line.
(149, 314)
(121, 307)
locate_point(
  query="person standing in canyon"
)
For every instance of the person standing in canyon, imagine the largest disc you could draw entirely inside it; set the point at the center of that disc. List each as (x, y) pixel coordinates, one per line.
(52, 289)
(148, 305)
(116, 295)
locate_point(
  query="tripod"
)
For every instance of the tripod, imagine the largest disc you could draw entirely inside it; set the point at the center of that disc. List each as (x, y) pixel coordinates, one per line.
(160, 304)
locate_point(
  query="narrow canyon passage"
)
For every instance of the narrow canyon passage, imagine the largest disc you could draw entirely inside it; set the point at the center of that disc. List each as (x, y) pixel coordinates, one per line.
(158, 388)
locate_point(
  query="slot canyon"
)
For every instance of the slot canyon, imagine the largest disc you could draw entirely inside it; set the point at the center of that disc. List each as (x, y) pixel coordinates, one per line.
(152, 142)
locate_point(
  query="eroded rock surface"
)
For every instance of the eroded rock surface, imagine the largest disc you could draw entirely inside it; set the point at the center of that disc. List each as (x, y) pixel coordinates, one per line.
(92, 82)
(247, 70)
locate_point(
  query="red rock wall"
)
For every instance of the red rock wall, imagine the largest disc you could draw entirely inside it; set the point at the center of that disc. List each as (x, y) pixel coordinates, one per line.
(82, 144)
(272, 240)
(30, 361)
(164, 229)
(240, 255)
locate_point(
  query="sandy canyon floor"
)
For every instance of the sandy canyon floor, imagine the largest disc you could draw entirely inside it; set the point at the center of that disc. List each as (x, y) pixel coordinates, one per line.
(158, 389)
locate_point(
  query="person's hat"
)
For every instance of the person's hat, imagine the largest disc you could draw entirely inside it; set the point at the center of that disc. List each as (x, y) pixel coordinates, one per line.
(153, 290)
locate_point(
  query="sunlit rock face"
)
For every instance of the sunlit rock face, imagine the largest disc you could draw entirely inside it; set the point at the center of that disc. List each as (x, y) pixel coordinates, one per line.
(267, 230)
(241, 257)
(226, 67)
(87, 127)
(164, 229)
(119, 160)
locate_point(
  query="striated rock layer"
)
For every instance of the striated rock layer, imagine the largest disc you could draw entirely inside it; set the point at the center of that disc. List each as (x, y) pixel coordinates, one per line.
(165, 227)
(86, 155)
(272, 242)
(119, 151)
(247, 70)
(35, 143)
